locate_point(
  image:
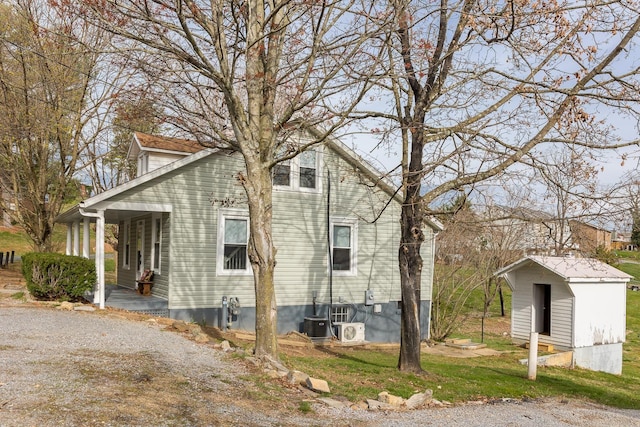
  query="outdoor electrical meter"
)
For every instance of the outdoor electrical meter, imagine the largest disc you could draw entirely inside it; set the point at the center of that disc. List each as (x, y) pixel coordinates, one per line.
(368, 297)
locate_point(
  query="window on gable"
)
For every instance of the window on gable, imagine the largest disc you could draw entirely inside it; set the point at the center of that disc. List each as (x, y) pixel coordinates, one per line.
(233, 240)
(282, 174)
(143, 163)
(343, 246)
(299, 173)
(308, 169)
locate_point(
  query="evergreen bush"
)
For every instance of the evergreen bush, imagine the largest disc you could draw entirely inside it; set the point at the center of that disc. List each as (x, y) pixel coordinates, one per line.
(57, 277)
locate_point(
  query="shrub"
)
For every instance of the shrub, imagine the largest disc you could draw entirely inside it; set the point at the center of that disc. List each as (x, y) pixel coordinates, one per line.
(52, 276)
(606, 256)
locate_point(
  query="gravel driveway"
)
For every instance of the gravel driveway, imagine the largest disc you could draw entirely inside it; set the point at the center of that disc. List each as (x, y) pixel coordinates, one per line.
(60, 368)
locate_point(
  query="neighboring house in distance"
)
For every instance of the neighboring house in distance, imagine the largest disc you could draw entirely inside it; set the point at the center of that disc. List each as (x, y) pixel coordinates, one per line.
(621, 240)
(587, 238)
(575, 304)
(528, 231)
(186, 218)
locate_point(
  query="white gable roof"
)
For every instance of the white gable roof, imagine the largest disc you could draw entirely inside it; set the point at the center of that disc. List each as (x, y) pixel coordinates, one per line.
(572, 270)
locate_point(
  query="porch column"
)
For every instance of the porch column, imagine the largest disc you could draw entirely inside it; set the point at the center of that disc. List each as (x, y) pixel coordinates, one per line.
(99, 293)
(76, 238)
(69, 239)
(86, 238)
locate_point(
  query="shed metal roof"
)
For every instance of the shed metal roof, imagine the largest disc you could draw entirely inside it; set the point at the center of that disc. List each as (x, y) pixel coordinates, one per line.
(572, 269)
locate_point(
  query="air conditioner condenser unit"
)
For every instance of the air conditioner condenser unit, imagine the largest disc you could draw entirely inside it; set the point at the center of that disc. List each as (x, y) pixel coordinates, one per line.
(351, 332)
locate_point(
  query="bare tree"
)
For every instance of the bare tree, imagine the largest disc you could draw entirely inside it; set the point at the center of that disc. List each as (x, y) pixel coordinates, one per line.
(571, 190)
(242, 75)
(470, 249)
(455, 279)
(47, 105)
(477, 86)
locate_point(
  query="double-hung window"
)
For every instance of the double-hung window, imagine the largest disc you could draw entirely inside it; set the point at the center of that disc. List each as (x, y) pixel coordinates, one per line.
(156, 242)
(308, 168)
(300, 173)
(233, 238)
(344, 239)
(282, 174)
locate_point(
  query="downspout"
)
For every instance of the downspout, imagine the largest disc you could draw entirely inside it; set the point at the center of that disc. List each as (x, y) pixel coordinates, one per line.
(329, 251)
(99, 294)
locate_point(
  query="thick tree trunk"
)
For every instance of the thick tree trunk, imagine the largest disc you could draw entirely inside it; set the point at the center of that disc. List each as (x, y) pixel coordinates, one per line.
(262, 255)
(410, 260)
(410, 280)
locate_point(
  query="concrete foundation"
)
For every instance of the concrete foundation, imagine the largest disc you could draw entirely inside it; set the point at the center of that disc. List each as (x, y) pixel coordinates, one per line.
(605, 358)
(381, 324)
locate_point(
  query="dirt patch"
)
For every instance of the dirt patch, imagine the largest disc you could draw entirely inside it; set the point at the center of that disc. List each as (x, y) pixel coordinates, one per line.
(292, 344)
(11, 283)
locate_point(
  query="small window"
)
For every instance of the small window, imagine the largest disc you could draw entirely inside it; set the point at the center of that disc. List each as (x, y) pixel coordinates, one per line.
(299, 173)
(233, 240)
(143, 163)
(156, 236)
(343, 246)
(126, 238)
(282, 174)
(340, 314)
(308, 169)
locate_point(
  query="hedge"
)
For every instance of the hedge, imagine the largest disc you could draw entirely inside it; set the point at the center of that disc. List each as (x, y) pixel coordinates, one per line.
(57, 277)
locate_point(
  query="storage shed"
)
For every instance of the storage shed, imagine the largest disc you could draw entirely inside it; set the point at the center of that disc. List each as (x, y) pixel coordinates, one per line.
(576, 304)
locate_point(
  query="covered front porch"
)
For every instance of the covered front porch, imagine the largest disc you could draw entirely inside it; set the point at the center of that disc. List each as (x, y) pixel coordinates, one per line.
(136, 254)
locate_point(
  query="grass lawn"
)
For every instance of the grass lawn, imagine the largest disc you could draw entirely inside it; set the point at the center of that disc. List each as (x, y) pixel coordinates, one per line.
(361, 374)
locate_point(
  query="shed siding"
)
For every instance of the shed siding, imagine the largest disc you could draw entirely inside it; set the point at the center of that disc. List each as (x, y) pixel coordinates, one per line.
(600, 316)
(197, 192)
(561, 307)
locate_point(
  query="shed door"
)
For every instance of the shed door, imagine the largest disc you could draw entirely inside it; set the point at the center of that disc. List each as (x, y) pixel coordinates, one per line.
(542, 309)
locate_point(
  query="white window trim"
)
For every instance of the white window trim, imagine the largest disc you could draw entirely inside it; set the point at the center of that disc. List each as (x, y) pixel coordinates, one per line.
(294, 174)
(126, 239)
(353, 223)
(143, 163)
(157, 269)
(224, 214)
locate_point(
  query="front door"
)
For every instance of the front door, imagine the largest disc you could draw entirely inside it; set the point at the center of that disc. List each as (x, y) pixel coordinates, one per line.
(542, 309)
(140, 248)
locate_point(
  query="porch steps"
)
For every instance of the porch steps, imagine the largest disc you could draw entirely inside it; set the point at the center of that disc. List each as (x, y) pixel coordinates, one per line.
(464, 344)
(542, 347)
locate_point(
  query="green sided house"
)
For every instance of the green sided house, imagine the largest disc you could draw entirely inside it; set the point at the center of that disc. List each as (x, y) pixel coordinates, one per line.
(185, 218)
